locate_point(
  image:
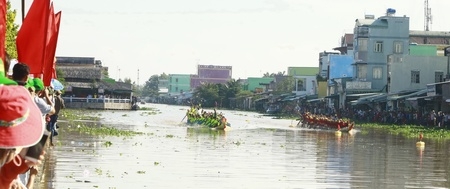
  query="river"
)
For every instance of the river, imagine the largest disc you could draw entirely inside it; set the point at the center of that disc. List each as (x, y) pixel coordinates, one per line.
(257, 152)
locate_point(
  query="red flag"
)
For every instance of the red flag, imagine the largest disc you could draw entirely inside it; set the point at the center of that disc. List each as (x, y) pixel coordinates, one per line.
(32, 36)
(58, 23)
(3, 7)
(52, 39)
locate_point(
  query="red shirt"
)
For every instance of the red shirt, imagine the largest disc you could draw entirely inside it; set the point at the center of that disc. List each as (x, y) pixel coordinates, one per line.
(9, 172)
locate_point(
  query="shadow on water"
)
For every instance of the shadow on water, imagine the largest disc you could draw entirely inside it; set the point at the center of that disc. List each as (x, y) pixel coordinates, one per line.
(258, 152)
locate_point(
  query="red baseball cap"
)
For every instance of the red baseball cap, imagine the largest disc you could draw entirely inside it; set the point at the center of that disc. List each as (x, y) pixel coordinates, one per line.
(21, 121)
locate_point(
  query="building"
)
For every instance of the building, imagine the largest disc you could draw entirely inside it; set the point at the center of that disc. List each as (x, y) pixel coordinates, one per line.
(211, 74)
(305, 80)
(178, 84)
(257, 84)
(374, 40)
(85, 76)
(87, 85)
(324, 63)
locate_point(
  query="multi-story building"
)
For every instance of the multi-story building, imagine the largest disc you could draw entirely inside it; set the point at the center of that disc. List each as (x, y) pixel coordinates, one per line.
(305, 80)
(374, 40)
(179, 83)
(211, 74)
(324, 63)
(85, 76)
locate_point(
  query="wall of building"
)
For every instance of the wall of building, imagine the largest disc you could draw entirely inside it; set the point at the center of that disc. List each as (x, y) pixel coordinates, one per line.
(427, 66)
(341, 66)
(423, 50)
(254, 83)
(178, 83)
(211, 74)
(307, 86)
(388, 30)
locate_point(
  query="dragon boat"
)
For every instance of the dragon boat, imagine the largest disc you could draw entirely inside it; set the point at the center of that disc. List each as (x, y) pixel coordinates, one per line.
(207, 119)
(213, 123)
(309, 120)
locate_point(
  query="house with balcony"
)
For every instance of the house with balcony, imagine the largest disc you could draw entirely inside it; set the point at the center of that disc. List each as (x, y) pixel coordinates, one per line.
(86, 85)
(374, 40)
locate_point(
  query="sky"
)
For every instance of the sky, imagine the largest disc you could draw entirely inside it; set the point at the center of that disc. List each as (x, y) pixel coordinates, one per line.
(252, 36)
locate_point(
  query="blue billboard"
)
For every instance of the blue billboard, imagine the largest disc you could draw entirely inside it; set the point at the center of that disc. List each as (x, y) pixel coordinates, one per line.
(341, 66)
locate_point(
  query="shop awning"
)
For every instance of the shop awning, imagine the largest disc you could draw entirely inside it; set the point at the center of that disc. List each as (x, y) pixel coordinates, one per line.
(332, 96)
(368, 99)
(414, 94)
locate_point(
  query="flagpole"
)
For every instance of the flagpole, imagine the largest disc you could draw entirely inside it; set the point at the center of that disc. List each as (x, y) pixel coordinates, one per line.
(23, 10)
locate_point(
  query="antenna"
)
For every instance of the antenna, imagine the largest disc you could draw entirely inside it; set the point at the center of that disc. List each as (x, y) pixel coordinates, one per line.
(138, 79)
(428, 18)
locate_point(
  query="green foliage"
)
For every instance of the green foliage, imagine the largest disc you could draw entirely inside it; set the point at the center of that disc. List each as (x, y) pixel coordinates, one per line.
(410, 131)
(208, 94)
(285, 86)
(163, 76)
(127, 80)
(11, 31)
(151, 88)
(274, 74)
(105, 73)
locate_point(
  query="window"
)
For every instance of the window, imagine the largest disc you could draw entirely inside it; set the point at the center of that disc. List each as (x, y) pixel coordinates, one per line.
(415, 77)
(398, 47)
(377, 73)
(438, 76)
(362, 44)
(176, 89)
(176, 80)
(378, 46)
(362, 71)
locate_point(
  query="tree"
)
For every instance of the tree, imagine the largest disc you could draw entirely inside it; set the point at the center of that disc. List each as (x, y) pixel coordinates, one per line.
(151, 88)
(164, 76)
(285, 86)
(207, 94)
(11, 32)
(127, 80)
(274, 74)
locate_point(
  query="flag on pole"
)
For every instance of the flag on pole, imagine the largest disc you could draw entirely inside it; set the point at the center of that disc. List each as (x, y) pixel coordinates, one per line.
(3, 13)
(32, 36)
(50, 49)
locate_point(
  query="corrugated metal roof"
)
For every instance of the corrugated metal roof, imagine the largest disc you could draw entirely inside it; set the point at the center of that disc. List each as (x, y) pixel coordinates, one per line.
(413, 33)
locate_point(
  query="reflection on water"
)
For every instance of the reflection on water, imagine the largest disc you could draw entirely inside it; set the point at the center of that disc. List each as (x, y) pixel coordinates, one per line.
(258, 152)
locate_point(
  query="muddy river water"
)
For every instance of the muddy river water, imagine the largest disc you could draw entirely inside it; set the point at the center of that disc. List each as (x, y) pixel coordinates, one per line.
(257, 152)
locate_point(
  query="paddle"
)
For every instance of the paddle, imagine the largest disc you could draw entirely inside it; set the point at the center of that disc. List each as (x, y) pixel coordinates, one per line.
(183, 118)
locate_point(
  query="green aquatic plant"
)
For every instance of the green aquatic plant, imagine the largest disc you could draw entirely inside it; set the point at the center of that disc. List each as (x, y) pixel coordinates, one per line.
(78, 114)
(409, 131)
(107, 143)
(102, 130)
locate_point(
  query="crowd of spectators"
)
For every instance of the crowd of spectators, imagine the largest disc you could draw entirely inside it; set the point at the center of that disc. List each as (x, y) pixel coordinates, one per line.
(428, 118)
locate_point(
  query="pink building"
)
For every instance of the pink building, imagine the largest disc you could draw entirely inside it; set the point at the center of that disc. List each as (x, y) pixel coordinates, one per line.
(211, 74)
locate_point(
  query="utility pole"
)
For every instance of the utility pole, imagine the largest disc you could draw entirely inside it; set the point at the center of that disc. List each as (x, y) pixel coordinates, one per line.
(428, 19)
(447, 54)
(23, 10)
(138, 79)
